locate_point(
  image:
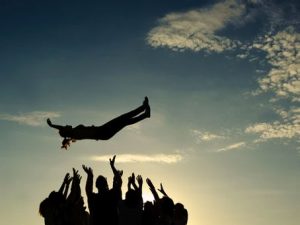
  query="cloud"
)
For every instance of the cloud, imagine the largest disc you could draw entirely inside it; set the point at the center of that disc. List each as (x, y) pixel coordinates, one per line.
(283, 82)
(283, 54)
(232, 147)
(197, 29)
(36, 118)
(288, 127)
(205, 136)
(131, 158)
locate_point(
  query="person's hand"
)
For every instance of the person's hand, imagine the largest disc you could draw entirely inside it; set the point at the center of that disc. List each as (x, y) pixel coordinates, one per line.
(76, 176)
(161, 190)
(112, 161)
(88, 170)
(133, 177)
(67, 179)
(139, 180)
(150, 184)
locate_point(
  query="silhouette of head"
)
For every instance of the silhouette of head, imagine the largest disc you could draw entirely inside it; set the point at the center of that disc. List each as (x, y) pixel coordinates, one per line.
(167, 206)
(149, 208)
(180, 214)
(66, 131)
(43, 207)
(132, 198)
(101, 184)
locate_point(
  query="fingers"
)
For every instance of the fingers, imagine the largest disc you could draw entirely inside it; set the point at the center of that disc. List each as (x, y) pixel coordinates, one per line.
(112, 161)
(88, 170)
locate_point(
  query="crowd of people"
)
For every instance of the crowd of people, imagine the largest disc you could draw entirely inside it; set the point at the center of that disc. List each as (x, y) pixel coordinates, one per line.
(106, 206)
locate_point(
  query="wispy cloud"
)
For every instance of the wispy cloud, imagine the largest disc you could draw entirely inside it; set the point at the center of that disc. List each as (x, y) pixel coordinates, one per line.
(283, 54)
(205, 136)
(197, 29)
(232, 147)
(288, 127)
(36, 118)
(283, 81)
(131, 158)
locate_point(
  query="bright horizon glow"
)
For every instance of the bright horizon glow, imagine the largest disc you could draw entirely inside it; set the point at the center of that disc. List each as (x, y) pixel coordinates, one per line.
(133, 158)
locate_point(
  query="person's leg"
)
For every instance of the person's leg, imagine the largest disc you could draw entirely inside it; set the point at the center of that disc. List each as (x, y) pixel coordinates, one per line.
(130, 117)
(110, 128)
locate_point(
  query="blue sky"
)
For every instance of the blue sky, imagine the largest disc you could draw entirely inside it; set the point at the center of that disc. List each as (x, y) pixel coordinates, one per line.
(223, 79)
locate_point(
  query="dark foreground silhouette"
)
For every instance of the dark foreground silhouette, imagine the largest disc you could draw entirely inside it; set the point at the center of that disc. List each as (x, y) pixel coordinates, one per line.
(106, 207)
(104, 132)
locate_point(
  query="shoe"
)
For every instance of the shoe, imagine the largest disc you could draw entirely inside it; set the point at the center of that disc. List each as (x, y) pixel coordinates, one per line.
(146, 102)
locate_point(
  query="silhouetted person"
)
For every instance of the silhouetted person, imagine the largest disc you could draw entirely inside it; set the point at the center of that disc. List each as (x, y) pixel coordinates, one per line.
(104, 132)
(164, 206)
(53, 207)
(103, 205)
(130, 209)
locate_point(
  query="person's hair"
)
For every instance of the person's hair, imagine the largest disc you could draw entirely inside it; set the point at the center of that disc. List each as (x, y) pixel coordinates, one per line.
(65, 143)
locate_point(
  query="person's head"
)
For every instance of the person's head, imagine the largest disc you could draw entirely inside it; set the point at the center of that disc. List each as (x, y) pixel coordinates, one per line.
(166, 206)
(101, 184)
(66, 131)
(180, 214)
(148, 208)
(44, 205)
(132, 198)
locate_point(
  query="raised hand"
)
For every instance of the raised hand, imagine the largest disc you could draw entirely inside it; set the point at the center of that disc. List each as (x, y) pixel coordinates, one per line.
(67, 179)
(76, 175)
(161, 190)
(88, 170)
(139, 180)
(150, 184)
(112, 161)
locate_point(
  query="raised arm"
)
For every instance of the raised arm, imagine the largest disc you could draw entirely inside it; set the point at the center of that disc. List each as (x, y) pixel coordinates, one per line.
(75, 188)
(133, 181)
(112, 165)
(89, 180)
(152, 189)
(140, 182)
(54, 125)
(65, 185)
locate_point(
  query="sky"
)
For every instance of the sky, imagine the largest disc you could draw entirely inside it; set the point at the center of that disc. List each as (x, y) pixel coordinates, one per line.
(223, 81)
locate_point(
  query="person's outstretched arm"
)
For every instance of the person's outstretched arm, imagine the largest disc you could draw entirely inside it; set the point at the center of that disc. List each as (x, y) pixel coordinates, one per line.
(75, 188)
(54, 125)
(135, 187)
(140, 182)
(152, 189)
(89, 180)
(112, 165)
(117, 181)
(65, 185)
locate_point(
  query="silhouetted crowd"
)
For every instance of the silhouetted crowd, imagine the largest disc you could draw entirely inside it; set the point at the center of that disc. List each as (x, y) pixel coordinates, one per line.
(106, 207)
